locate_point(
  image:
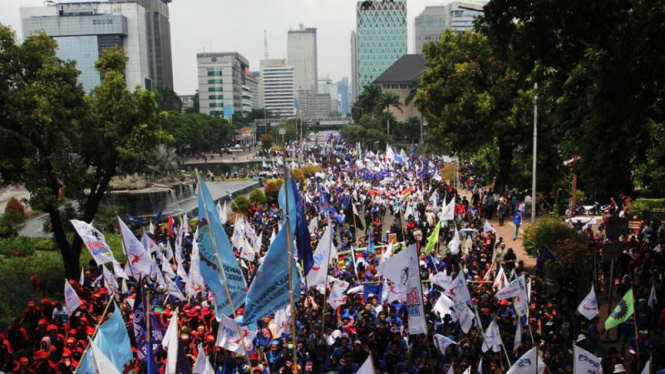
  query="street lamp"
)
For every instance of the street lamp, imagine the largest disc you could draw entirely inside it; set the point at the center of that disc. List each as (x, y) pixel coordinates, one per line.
(535, 152)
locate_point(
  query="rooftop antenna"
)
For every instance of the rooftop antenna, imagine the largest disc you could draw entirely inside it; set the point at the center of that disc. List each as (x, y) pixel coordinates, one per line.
(265, 45)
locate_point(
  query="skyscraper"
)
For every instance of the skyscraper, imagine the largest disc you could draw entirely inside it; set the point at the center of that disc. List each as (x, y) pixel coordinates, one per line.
(84, 30)
(354, 67)
(221, 80)
(381, 33)
(458, 16)
(277, 86)
(301, 55)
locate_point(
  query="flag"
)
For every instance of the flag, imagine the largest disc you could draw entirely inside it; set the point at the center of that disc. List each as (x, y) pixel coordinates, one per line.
(270, 289)
(282, 198)
(119, 271)
(444, 306)
(232, 337)
(647, 368)
(337, 298)
(283, 322)
(589, 306)
(488, 227)
(390, 293)
(174, 290)
(624, 310)
(372, 289)
(247, 251)
(202, 364)
(109, 280)
(95, 242)
(368, 366)
(433, 239)
(527, 364)
(302, 234)
(317, 275)
(585, 362)
(140, 328)
(149, 244)
(454, 243)
(112, 341)
(515, 288)
(458, 290)
(403, 270)
(492, 338)
(138, 258)
(653, 300)
(72, 301)
(441, 343)
(170, 344)
(82, 277)
(448, 212)
(169, 227)
(100, 363)
(463, 315)
(214, 251)
(518, 337)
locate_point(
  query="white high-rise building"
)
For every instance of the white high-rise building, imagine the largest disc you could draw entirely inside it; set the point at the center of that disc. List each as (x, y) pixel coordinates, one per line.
(84, 30)
(301, 55)
(354, 67)
(434, 20)
(221, 82)
(279, 96)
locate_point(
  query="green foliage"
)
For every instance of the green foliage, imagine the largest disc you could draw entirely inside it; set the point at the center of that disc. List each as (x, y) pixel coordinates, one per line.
(257, 197)
(167, 99)
(195, 132)
(241, 204)
(46, 244)
(17, 246)
(272, 190)
(266, 141)
(370, 137)
(547, 233)
(644, 208)
(10, 223)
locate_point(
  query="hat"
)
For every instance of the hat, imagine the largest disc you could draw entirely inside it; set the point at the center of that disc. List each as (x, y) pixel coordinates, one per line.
(618, 368)
(31, 303)
(253, 356)
(51, 327)
(257, 369)
(192, 313)
(67, 353)
(24, 360)
(71, 340)
(41, 355)
(580, 338)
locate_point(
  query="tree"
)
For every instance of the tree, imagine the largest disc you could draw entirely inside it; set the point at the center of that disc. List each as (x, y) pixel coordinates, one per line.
(62, 145)
(388, 99)
(167, 99)
(195, 107)
(470, 99)
(368, 103)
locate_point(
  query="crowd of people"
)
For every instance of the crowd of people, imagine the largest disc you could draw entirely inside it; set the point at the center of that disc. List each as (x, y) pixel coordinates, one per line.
(377, 205)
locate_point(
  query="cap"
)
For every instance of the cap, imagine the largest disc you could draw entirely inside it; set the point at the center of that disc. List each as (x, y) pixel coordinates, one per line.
(618, 368)
(580, 337)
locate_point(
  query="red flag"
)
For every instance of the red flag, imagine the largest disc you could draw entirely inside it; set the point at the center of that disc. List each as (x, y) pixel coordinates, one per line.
(170, 227)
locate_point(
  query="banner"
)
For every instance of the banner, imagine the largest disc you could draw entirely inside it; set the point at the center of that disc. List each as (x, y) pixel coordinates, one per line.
(215, 249)
(95, 242)
(624, 310)
(433, 239)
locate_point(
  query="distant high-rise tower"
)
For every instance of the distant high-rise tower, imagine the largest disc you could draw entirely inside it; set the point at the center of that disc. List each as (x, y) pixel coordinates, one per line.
(457, 15)
(276, 85)
(301, 54)
(381, 33)
(354, 67)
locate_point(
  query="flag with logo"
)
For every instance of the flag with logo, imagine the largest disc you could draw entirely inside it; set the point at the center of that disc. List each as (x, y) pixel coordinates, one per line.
(448, 211)
(492, 338)
(112, 341)
(269, 291)
(624, 310)
(215, 250)
(317, 275)
(138, 258)
(232, 337)
(337, 298)
(72, 301)
(442, 342)
(302, 234)
(589, 306)
(95, 242)
(586, 362)
(527, 364)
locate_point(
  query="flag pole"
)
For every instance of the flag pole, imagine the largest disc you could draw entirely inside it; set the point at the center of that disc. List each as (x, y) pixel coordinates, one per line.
(287, 177)
(221, 269)
(94, 333)
(637, 342)
(325, 288)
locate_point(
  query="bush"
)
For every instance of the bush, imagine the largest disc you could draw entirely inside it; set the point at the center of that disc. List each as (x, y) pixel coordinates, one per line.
(546, 233)
(9, 224)
(241, 204)
(46, 244)
(448, 173)
(17, 246)
(643, 208)
(272, 190)
(306, 172)
(15, 206)
(257, 197)
(266, 141)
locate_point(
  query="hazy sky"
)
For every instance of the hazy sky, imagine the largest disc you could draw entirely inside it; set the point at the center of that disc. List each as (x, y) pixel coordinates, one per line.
(237, 26)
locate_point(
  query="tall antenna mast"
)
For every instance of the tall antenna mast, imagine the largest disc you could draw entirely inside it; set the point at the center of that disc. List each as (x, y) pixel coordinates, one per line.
(265, 45)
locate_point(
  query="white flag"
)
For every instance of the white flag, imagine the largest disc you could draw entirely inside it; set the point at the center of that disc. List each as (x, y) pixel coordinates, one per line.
(492, 338)
(249, 232)
(82, 278)
(647, 368)
(247, 251)
(390, 293)
(388, 253)
(586, 362)
(137, 256)
(518, 337)
(170, 344)
(174, 290)
(368, 367)
(515, 288)
(101, 363)
(448, 211)
(95, 242)
(202, 364)
(337, 297)
(149, 244)
(166, 269)
(118, 271)
(501, 280)
(589, 306)
(283, 321)
(454, 244)
(458, 290)
(229, 336)
(182, 273)
(527, 364)
(196, 283)
(653, 300)
(441, 343)
(72, 301)
(109, 280)
(444, 306)
(488, 227)
(322, 254)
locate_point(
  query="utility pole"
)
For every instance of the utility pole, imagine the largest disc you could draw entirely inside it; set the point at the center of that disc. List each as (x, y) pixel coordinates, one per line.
(535, 153)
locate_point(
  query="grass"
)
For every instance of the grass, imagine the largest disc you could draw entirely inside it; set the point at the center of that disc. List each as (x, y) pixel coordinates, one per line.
(17, 289)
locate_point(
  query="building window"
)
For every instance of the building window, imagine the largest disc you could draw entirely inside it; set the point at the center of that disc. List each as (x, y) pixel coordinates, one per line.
(213, 81)
(215, 97)
(215, 89)
(214, 73)
(216, 105)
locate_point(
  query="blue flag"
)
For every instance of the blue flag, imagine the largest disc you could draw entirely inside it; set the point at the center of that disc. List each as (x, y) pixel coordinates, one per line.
(292, 204)
(215, 247)
(269, 291)
(372, 289)
(140, 329)
(112, 340)
(158, 216)
(302, 234)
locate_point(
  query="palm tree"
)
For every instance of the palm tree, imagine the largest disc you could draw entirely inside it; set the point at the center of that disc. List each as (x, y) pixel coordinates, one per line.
(389, 99)
(413, 91)
(370, 98)
(167, 99)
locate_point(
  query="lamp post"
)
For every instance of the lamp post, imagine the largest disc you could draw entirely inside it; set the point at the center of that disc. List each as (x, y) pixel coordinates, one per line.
(535, 152)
